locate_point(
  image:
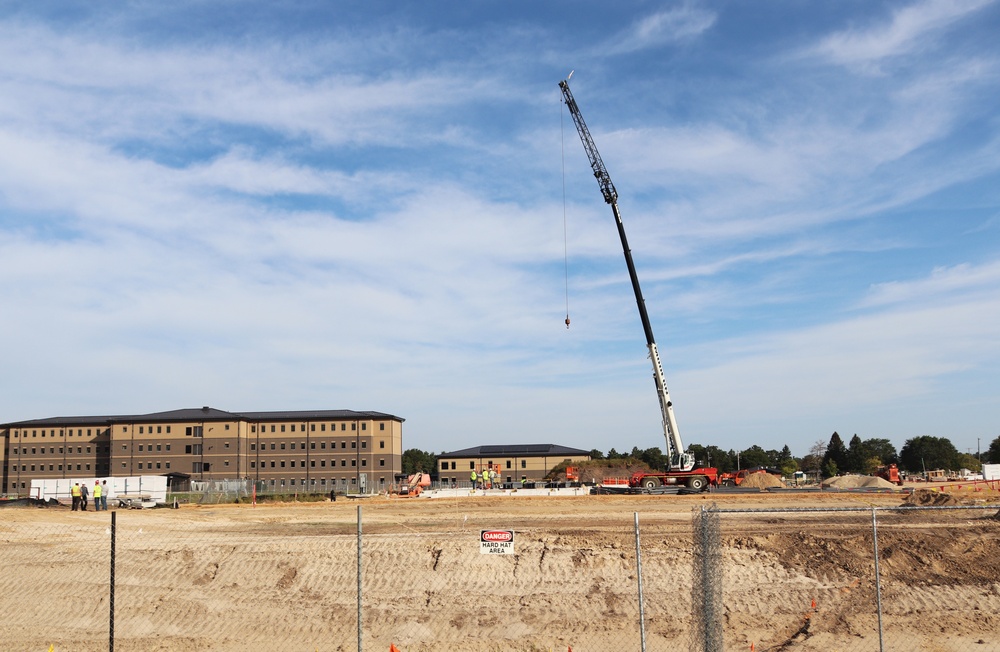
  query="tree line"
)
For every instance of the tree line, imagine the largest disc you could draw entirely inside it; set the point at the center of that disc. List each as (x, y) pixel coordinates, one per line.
(826, 458)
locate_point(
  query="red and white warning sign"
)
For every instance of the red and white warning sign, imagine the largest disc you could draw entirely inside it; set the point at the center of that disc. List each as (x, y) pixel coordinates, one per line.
(496, 542)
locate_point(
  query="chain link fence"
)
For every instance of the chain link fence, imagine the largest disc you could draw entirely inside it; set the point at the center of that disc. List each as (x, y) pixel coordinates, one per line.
(420, 575)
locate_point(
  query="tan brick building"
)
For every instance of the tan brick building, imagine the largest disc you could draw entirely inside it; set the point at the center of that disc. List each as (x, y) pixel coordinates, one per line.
(530, 462)
(314, 451)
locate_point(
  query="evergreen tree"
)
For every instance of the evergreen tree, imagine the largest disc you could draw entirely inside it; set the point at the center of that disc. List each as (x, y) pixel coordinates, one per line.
(836, 452)
(856, 456)
(993, 453)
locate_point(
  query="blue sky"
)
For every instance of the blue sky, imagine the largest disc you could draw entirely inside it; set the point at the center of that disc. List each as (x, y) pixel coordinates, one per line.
(360, 205)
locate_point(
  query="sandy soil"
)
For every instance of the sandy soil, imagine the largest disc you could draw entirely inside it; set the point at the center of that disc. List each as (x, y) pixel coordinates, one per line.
(284, 577)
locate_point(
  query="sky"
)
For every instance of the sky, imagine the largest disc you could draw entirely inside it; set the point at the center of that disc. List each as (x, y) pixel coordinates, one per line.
(385, 206)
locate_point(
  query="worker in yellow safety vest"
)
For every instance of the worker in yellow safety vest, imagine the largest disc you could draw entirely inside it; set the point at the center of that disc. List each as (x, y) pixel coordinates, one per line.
(75, 492)
(97, 495)
(473, 477)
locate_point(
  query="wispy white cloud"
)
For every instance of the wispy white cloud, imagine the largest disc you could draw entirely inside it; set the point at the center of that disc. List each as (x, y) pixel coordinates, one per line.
(667, 27)
(908, 29)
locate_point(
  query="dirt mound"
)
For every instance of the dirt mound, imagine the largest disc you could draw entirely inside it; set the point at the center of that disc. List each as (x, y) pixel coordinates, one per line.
(590, 472)
(928, 498)
(858, 482)
(762, 481)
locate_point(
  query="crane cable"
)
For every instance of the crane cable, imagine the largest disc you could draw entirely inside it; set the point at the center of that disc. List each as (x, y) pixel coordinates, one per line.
(562, 144)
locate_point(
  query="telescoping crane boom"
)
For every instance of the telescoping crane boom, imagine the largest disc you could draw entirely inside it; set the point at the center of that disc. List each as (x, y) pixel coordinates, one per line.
(679, 460)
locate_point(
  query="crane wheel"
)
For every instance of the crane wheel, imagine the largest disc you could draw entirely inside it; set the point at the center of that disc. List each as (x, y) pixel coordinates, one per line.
(651, 483)
(697, 483)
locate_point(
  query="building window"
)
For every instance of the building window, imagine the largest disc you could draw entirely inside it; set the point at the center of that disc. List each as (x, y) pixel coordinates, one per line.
(381, 444)
(168, 432)
(322, 445)
(253, 447)
(272, 445)
(253, 465)
(293, 444)
(168, 445)
(354, 462)
(354, 444)
(524, 464)
(322, 427)
(452, 466)
(343, 426)
(159, 429)
(364, 444)
(282, 463)
(227, 426)
(167, 465)
(381, 426)
(344, 462)
(159, 447)
(381, 462)
(282, 427)
(293, 427)
(472, 466)
(312, 427)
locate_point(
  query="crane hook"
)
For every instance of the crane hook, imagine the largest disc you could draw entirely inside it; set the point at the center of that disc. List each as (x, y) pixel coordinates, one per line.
(567, 322)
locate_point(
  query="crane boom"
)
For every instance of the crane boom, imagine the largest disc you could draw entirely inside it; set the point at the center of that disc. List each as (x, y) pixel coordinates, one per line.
(678, 458)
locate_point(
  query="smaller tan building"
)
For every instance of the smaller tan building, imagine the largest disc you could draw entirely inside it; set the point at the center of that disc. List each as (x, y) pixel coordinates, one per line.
(514, 463)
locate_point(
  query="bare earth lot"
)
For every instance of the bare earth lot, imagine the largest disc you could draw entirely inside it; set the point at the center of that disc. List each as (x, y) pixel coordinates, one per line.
(284, 577)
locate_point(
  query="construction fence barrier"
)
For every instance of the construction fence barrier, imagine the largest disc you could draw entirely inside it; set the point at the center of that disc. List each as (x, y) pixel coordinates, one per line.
(356, 576)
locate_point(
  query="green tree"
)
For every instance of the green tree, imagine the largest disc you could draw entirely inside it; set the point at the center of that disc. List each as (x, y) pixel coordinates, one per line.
(813, 461)
(596, 454)
(754, 456)
(829, 468)
(788, 467)
(415, 460)
(993, 453)
(927, 452)
(882, 449)
(968, 461)
(836, 452)
(856, 455)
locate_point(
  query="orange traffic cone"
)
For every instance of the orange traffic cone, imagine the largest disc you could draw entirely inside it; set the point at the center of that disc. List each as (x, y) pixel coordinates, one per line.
(393, 648)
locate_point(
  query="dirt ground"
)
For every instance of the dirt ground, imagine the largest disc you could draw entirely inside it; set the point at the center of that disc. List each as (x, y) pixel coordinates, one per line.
(285, 576)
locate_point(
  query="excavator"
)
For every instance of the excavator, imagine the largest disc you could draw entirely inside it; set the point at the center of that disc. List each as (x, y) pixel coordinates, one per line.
(681, 469)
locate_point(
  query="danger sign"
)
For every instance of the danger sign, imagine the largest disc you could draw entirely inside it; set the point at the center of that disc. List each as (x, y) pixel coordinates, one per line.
(496, 542)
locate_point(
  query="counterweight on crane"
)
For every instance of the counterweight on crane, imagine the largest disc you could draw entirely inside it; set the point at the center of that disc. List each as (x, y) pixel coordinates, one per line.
(680, 469)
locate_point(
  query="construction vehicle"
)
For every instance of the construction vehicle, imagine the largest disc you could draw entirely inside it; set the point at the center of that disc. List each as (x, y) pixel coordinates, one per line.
(890, 472)
(680, 463)
(411, 486)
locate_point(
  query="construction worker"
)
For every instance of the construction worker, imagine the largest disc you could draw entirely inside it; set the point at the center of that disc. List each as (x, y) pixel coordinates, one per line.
(473, 477)
(97, 496)
(75, 492)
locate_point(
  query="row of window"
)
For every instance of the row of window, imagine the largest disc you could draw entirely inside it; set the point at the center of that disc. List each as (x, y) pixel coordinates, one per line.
(52, 450)
(195, 431)
(312, 445)
(312, 463)
(69, 433)
(57, 467)
(472, 465)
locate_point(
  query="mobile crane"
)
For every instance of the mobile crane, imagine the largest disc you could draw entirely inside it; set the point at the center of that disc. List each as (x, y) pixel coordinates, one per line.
(680, 463)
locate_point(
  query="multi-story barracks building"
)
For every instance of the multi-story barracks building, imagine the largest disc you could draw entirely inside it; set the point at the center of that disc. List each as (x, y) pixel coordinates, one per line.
(304, 451)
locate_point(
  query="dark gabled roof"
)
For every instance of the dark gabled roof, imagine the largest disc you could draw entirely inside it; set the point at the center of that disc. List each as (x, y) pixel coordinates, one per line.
(61, 421)
(291, 415)
(185, 414)
(199, 414)
(518, 450)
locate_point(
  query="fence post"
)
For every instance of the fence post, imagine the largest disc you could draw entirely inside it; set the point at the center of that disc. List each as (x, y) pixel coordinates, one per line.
(706, 582)
(638, 572)
(359, 579)
(111, 601)
(878, 582)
